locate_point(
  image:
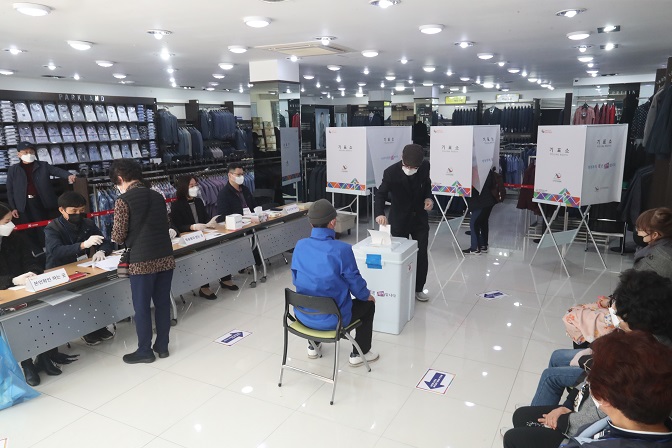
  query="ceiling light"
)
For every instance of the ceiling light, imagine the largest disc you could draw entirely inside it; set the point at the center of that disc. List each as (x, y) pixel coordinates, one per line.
(359, 94)
(250, 85)
(590, 65)
(594, 75)
(341, 88)
(51, 66)
(318, 85)
(80, 45)
(325, 40)
(513, 70)
(497, 86)
(209, 89)
(308, 77)
(76, 77)
(170, 70)
(218, 76)
(171, 79)
(257, 22)
(214, 84)
(532, 79)
(400, 88)
(173, 84)
(569, 13)
(119, 75)
(429, 68)
(449, 73)
(551, 88)
(15, 50)
(428, 83)
(365, 71)
(539, 81)
(158, 34)
(334, 68)
(303, 89)
(465, 78)
(404, 61)
(609, 29)
(6, 72)
(342, 92)
(585, 58)
(578, 35)
(583, 48)
(505, 89)
(464, 89)
(390, 77)
(501, 63)
(524, 74)
(32, 9)
(454, 89)
(478, 80)
(609, 46)
(382, 85)
(384, 4)
(105, 64)
(431, 29)
(225, 65)
(464, 44)
(126, 82)
(238, 49)
(485, 56)
(369, 53)
(338, 78)
(544, 85)
(165, 54)
(410, 81)
(488, 85)
(293, 58)
(592, 71)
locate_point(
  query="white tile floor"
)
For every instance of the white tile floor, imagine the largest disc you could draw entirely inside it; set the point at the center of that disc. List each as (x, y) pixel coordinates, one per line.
(209, 395)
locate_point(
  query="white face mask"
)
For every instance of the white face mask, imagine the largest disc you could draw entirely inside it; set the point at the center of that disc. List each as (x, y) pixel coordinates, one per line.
(28, 158)
(193, 191)
(409, 171)
(6, 229)
(615, 320)
(240, 180)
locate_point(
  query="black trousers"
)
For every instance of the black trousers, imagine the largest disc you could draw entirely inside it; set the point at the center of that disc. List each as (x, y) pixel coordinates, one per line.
(419, 231)
(524, 436)
(363, 311)
(34, 212)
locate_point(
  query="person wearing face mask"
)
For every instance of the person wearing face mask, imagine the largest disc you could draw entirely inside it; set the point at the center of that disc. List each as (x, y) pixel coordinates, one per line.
(188, 214)
(30, 193)
(234, 198)
(408, 183)
(73, 237)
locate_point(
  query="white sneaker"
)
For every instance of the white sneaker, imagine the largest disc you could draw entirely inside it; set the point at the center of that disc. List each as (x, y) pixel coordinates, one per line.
(315, 352)
(356, 360)
(421, 297)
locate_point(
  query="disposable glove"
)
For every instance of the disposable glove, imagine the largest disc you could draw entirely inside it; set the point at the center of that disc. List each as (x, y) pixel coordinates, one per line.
(198, 227)
(212, 223)
(172, 233)
(98, 256)
(94, 240)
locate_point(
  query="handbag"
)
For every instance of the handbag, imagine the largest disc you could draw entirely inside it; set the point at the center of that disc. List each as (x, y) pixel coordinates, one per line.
(124, 261)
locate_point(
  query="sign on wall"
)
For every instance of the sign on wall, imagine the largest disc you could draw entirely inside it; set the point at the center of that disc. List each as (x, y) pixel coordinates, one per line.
(290, 155)
(456, 99)
(347, 161)
(385, 145)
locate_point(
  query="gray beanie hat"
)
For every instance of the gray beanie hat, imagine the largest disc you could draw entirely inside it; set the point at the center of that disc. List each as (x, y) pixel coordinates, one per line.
(321, 212)
(413, 155)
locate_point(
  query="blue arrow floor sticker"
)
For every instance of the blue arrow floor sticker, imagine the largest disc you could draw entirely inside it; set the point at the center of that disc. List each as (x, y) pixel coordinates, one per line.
(436, 381)
(233, 337)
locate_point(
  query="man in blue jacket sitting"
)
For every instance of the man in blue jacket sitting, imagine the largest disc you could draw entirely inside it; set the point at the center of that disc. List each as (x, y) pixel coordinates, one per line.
(324, 267)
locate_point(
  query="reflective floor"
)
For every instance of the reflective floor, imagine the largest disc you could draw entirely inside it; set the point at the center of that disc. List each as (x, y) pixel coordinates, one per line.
(211, 395)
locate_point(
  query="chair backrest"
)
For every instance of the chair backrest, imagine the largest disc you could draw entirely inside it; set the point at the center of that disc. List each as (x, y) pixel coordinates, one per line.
(311, 304)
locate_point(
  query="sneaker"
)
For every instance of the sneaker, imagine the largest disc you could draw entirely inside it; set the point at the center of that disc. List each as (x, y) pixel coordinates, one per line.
(483, 249)
(315, 352)
(356, 360)
(137, 358)
(471, 252)
(104, 334)
(92, 339)
(421, 297)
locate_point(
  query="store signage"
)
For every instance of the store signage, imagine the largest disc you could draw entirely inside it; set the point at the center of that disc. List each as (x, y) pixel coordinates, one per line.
(78, 97)
(459, 99)
(507, 97)
(387, 103)
(192, 238)
(47, 280)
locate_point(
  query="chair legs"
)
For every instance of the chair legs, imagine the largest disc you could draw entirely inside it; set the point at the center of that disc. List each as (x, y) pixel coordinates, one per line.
(359, 350)
(284, 359)
(335, 375)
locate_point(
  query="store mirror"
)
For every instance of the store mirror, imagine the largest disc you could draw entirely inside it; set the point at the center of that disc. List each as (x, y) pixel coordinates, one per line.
(273, 106)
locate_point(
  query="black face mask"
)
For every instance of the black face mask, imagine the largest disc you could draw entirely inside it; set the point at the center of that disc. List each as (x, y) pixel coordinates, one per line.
(76, 218)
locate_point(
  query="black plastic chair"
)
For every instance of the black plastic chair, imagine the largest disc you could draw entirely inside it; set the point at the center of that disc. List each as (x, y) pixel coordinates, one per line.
(317, 306)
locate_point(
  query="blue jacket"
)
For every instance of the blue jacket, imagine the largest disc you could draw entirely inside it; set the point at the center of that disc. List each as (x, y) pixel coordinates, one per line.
(322, 266)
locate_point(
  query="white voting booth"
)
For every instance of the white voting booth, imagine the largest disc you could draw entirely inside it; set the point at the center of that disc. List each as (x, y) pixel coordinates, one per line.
(290, 159)
(461, 157)
(577, 166)
(357, 158)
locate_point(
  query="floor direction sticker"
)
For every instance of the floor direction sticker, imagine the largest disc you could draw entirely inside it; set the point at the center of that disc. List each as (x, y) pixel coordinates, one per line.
(492, 295)
(233, 337)
(436, 381)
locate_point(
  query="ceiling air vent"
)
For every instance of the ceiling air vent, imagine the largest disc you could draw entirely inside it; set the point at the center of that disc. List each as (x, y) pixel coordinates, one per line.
(306, 49)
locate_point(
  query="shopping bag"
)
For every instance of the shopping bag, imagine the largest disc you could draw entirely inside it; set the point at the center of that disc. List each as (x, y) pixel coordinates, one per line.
(13, 386)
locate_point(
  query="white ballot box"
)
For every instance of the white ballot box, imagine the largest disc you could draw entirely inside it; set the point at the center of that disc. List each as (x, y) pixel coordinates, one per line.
(389, 272)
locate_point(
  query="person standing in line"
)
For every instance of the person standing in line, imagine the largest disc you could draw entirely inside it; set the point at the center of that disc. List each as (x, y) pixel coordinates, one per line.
(480, 205)
(411, 189)
(141, 224)
(30, 194)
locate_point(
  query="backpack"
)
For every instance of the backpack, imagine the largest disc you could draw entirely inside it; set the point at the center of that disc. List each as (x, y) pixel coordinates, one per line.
(498, 189)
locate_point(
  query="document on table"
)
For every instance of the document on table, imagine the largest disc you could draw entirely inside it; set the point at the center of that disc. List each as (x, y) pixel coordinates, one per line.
(212, 235)
(108, 264)
(59, 297)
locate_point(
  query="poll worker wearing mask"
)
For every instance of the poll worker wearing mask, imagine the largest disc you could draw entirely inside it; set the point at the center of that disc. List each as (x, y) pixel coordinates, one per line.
(188, 214)
(235, 197)
(73, 237)
(141, 224)
(30, 193)
(411, 189)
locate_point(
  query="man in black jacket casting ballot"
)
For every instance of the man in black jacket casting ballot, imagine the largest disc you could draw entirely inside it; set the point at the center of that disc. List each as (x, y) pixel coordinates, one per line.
(408, 182)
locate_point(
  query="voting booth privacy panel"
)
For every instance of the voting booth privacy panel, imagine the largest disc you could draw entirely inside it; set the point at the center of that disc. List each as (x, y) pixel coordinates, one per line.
(290, 156)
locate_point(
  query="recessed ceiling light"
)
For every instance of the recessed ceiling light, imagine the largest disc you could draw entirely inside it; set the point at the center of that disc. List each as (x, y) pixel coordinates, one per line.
(225, 65)
(369, 53)
(325, 40)
(427, 83)
(485, 56)
(583, 48)
(51, 66)
(318, 85)
(578, 35)
(6, 72)
(308, 77)
(341, 88)
(165, 54)
(76, 77)
(585, 58)
(505, 89)
(400, 88)
(365, 71)
(532, 79)
(569, 13)
(410, 81)
(126, 82)
(171, 70)
(390, 77)
(403, 61)
(497, 86)
(32, 9)
(429, 68)
(334, 68)
(501, 63)
(303, 89)
(187, 87)
(609, 46)
(218, 76)
(80, 45)
(382, 85)
(431, 29)
(591, 71)
(609, 29)
(338, 78)
(209, 89)
(449, 72)
(361, 84)
(513, 70)
(158, 34)
(488, 85)
(590, 65)
(539, 81)
(464, 44)
(359, 94)
(119, 75)
(15, 50)
(171, 79)
(213, 84)
(523, 74)
(465, 78)
(453, 89)
(257, 22)
(238, 49)
(105, 64)
(384, 4)
(293, 58)
(544, 84)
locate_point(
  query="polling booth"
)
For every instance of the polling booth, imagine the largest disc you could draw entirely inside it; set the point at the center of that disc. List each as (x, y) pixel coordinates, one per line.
(577, 167)
(461, 158)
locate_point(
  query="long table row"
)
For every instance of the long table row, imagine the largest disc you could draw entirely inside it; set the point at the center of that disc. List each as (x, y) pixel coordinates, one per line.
(101, 298)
